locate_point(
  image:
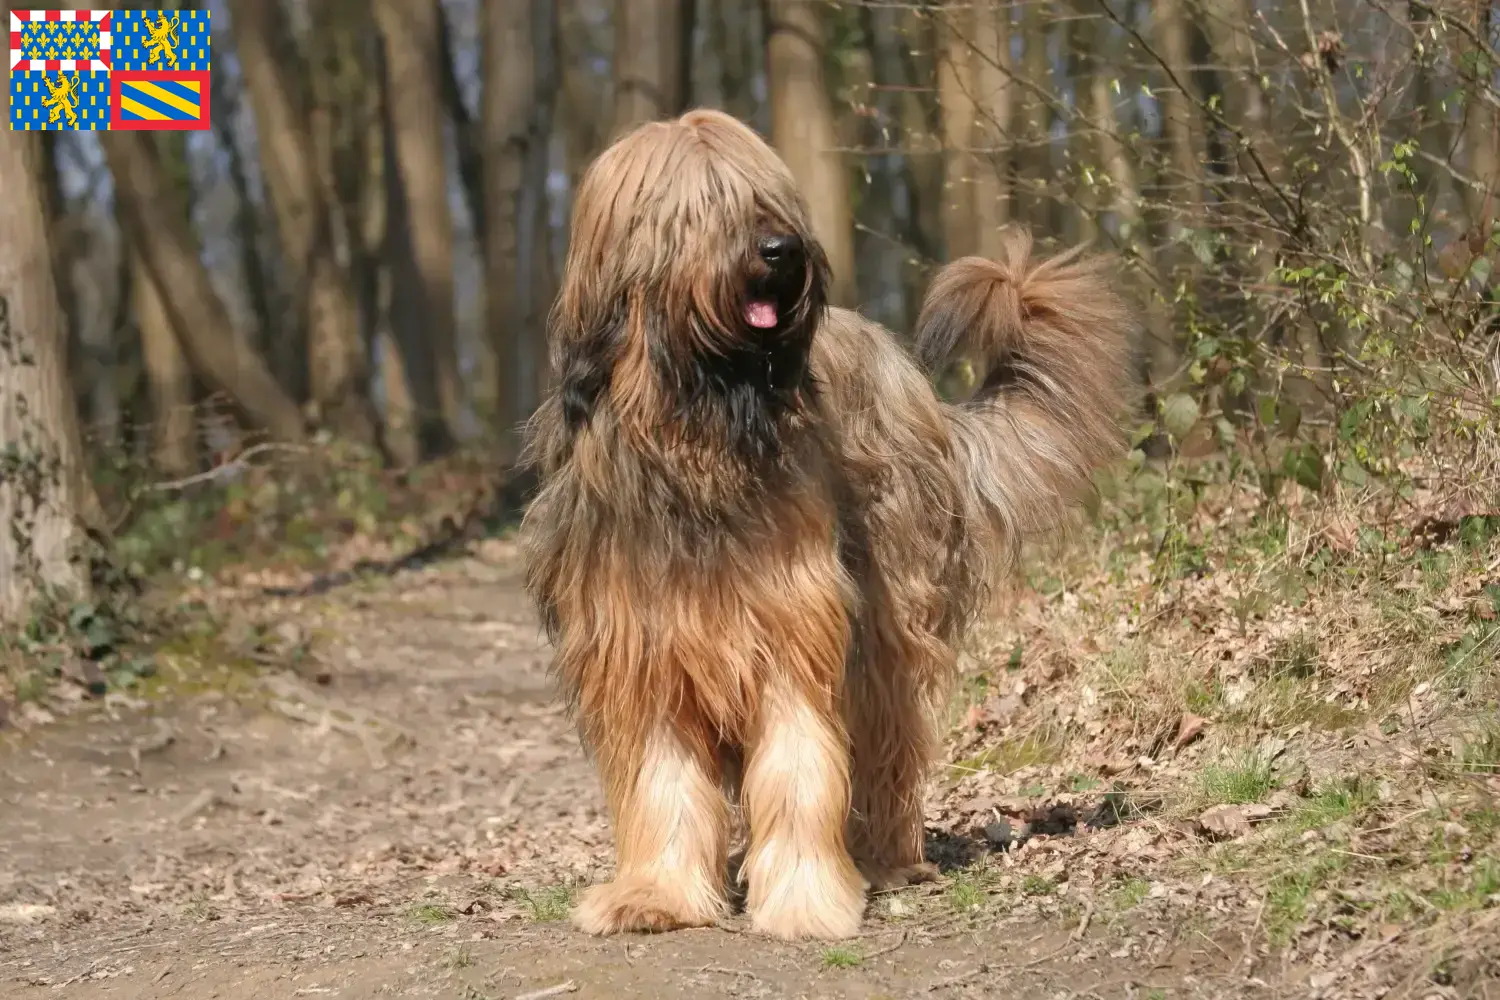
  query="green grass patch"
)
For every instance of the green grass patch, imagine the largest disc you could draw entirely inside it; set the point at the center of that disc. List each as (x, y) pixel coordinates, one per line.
(1239, 780)
(1296, 655)
(1037, 885)
(547, 905)
(1130, 893)
(1289, 892)
(1479, 751)
(841, 957)
(1341, 800)
(1475, 891)
(1287, 700)
(431, 914)
(965, 893)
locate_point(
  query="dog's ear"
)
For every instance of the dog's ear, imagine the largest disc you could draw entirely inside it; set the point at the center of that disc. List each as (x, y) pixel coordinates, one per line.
(583, 379)
(584, 359)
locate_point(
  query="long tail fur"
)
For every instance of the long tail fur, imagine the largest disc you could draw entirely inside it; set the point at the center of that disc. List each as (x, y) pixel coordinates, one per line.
(1054, 341)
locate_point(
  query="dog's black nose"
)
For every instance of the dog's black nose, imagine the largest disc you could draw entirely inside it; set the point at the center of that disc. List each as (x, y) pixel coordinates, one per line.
(776, 250)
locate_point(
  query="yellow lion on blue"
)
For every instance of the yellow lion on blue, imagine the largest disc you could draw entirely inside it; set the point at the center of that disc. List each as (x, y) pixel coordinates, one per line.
(59, 102)
(162, 39)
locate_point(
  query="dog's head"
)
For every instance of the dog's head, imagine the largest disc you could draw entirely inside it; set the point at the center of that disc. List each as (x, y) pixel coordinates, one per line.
(692, 279)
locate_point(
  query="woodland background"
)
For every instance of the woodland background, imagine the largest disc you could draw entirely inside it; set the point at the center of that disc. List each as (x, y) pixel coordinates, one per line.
(242, 368)
(1236, 736)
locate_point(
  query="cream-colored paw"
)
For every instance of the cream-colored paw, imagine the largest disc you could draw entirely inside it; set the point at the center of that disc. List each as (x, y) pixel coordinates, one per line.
(825, 902)
(638, 904)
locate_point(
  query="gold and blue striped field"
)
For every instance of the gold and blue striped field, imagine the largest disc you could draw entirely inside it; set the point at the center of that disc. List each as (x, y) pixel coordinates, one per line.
(161, 100)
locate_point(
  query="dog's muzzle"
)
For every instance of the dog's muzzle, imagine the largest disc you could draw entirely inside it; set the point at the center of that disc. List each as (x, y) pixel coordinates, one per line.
(782, 254)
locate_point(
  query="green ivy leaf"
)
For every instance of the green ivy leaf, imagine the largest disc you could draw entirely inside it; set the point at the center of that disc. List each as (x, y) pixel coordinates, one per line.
(1288, 417)
(1305, 465)
(1179, 412)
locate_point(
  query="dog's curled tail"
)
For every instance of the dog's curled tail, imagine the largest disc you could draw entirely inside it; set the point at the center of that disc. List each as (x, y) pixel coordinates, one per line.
(1052, 340)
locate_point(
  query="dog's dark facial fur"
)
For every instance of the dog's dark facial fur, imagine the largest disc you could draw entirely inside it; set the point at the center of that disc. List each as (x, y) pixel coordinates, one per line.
(744, 388)
(778, 274)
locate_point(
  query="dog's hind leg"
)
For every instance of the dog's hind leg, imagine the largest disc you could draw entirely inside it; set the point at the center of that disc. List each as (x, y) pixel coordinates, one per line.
(892, 738)
(671, 835)
(802, 882)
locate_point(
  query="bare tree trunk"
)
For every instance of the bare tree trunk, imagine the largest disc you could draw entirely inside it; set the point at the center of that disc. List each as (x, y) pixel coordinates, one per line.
(1076, 223)
(218, 351)
(168, 376)
(1433, 131)
(956, 91)
(903, 44)
(44, 485)
(804, 133)
(371, 198)
(1481, 128)
(1185, 147)
(913, 165)
(522, 79)
(465, 132)
(651, 72)
(337, 366)
(288, 362)
(1183, 176)
(1261, 163)
(1124, 197)
(406, 311)
(71, 244)
(879, 222)
(412, 49)
(1227, 23)
(995, 98)
(536, 279)
(586, 114)
(1033, 160)
(738, 24)
(402, 420)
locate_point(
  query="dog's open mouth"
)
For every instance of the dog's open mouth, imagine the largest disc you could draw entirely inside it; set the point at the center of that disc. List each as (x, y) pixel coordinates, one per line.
(762, 314)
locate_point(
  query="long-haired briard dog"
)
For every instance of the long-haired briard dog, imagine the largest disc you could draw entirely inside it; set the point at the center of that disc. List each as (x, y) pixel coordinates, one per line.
(759, 534)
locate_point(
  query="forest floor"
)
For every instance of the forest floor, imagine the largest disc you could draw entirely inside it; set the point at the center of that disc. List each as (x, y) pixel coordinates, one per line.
(1253, 768)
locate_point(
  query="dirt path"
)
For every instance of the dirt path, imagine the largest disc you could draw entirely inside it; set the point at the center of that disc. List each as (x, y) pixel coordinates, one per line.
(413, 827)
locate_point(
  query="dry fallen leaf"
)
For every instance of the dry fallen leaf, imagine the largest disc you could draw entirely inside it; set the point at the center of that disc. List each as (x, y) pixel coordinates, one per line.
(1189, 729)
(1229, 821)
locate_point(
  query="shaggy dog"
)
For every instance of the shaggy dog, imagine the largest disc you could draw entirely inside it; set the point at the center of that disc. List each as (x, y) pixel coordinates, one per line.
(759, 534)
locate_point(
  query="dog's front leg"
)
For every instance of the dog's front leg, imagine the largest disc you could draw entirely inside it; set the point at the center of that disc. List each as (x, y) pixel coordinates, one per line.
(671, 837)
(802, 882)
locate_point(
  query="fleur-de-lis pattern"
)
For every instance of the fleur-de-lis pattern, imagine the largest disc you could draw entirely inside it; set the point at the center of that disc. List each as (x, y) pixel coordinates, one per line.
(60, 40)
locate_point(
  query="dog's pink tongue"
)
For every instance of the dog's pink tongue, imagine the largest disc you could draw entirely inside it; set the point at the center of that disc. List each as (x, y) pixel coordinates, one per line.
(760, 314)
